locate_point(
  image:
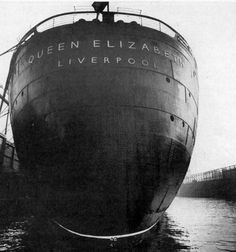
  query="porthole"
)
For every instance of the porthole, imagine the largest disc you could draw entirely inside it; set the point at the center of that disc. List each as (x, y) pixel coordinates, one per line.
(189, 94)
(183, 124)
(172, 118)
(22, 93)
(167, 79)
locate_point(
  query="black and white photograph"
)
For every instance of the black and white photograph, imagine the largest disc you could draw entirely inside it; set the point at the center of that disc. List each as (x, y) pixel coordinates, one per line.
(117, 126)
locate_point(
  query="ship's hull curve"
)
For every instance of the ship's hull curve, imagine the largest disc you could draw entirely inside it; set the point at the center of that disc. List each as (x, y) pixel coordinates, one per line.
(104, 124)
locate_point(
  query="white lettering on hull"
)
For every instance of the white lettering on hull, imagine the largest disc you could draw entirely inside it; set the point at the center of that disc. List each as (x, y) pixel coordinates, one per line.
(150, 48)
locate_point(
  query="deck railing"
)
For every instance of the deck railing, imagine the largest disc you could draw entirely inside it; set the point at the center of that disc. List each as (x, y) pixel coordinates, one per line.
(73, 17)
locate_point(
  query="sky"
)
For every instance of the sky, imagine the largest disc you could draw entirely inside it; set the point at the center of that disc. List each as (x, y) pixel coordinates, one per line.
(210, 29)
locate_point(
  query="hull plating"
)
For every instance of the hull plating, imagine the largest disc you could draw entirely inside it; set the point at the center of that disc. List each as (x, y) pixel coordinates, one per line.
(104, 119)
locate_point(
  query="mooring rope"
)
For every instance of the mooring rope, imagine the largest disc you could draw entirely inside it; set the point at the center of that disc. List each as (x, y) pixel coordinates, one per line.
(13, 48)
(111, 238)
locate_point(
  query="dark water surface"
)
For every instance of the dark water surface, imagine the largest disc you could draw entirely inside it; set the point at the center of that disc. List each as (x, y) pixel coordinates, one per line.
(190, 224)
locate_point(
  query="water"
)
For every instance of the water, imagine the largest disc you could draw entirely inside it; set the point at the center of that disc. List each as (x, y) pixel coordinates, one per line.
(190, 224)
(197, 224)
(204, 224)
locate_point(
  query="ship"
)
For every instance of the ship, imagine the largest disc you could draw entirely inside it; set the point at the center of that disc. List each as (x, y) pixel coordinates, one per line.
(218, 183)
(13, 193)
(104, 118)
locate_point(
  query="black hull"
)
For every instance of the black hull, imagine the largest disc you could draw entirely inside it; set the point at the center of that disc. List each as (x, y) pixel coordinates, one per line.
(125, 199)
(104, 121)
